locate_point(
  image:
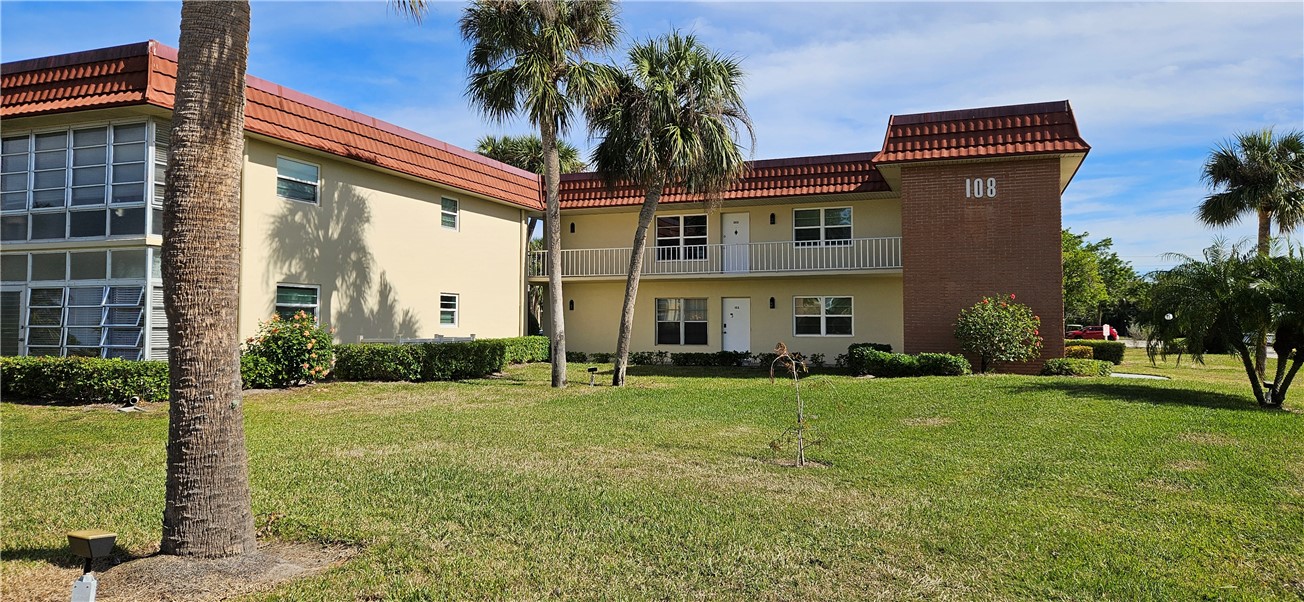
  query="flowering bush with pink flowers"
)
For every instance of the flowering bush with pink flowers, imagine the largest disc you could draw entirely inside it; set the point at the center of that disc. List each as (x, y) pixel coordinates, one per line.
(297, 349)
(997, 329)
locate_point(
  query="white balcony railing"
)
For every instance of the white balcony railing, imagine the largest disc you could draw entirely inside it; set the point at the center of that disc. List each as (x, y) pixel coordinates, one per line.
(757, 257)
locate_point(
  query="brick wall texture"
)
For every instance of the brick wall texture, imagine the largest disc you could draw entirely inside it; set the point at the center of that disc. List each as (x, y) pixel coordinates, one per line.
(955, 250)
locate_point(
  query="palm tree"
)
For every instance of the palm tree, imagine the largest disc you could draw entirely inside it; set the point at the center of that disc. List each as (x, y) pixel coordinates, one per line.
(672, 119)
(1214, 300)
(531, 56)
(1283, 284)
(207, 511)
(1260, 173)
(526, 152)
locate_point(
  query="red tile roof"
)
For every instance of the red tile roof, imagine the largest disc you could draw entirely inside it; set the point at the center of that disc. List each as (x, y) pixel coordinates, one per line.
(1030, 129)
(145, 73)
(772, 178)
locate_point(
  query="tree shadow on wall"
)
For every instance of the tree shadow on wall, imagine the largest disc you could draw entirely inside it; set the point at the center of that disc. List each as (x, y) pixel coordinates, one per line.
(326, 246)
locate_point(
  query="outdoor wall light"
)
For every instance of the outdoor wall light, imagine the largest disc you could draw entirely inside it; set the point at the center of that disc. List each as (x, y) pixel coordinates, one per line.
(571, 304)
(91, 544)
(771, 302)
(572, 227)
(771, 219)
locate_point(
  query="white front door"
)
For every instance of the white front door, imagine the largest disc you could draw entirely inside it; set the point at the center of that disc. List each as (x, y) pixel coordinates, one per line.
(736, 334)
(735, 233)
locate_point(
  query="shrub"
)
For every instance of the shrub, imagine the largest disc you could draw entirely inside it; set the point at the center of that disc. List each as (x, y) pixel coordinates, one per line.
(693, 359)
(1080, 352)
(256, 372)
(997, 329)
(1076, 367)
(377, 362)
(523, 350)
(817, 360)
(298, 349)
(578, 357)
(943, 364)
(766, 359)
(884, 347)
(82, 380)
(867, 360)
(841, 360)
(458, 361)
(731, 358)
(644, 358)
(601, 358)
(1110, 351)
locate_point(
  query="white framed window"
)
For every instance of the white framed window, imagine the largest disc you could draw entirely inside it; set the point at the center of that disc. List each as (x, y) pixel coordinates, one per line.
(448, 213)
(448, 310)
(829, 226)
(681, 237)
(297, 181)
(294, 298)
(681, 321)
(822, 316)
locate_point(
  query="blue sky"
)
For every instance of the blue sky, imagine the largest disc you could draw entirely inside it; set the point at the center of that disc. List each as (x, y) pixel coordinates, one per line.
(1154, 86)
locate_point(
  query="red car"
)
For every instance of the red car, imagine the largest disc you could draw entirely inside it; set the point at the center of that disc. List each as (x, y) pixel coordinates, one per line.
(1105, 332)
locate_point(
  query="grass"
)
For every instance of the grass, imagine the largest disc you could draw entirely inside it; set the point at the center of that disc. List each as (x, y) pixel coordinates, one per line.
(991, 487)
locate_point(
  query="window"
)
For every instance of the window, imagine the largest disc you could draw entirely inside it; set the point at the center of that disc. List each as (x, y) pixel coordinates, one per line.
(65, 178)
(816, 227)
(292, 299)
(681, 321)
(448, 213)
(296, 180)
(681, 237)
(447, 309)
(821, 316)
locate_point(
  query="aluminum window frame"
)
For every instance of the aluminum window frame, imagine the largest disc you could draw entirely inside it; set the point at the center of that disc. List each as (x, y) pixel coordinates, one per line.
(824, 315)
(682, 321)
(456, 214)
(680, 251)
(456, 310)
(316, 186)
(823, 228)
(315, 306)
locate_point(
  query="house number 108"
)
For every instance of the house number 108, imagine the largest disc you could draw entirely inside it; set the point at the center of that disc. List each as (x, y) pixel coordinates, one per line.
(977, 188)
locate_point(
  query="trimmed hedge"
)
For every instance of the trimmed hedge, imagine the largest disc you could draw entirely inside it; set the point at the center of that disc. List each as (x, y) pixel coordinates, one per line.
(82, 379)
(1080, 352)
(1076, 367)
(377, 362)
(523, 350)
(867, 360)
(1110, 351)
(943, 364)
(419, 363)
(718, 358)
(884, 347)
(458, 361)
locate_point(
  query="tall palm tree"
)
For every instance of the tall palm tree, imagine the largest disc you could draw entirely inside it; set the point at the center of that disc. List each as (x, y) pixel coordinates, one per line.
(672, 119)
(1260, 173)
(531, 56)
(207, 511)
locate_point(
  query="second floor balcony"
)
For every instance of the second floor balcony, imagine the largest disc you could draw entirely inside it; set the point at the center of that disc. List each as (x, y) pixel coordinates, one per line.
(856, 254)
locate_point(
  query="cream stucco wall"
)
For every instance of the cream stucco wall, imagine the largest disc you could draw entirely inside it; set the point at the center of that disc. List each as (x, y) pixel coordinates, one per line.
(602, 230)
(592, 325)
(376, 248)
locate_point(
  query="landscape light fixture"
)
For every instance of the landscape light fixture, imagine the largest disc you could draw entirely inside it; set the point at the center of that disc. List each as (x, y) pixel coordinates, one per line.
(91, 544)
(592, 371)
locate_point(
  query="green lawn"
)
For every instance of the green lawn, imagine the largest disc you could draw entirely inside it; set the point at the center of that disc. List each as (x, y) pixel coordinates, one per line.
(997, 487)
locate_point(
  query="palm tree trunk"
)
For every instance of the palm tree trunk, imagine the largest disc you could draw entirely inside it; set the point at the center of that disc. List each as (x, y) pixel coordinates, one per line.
(645, 216)
(1261, 337)
(552, 241)
(1255, 383)
(207, 511)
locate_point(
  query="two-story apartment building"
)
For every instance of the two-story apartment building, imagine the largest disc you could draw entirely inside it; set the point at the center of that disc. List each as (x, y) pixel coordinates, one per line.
(820, 252)
(383, 232)
(379, 231)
